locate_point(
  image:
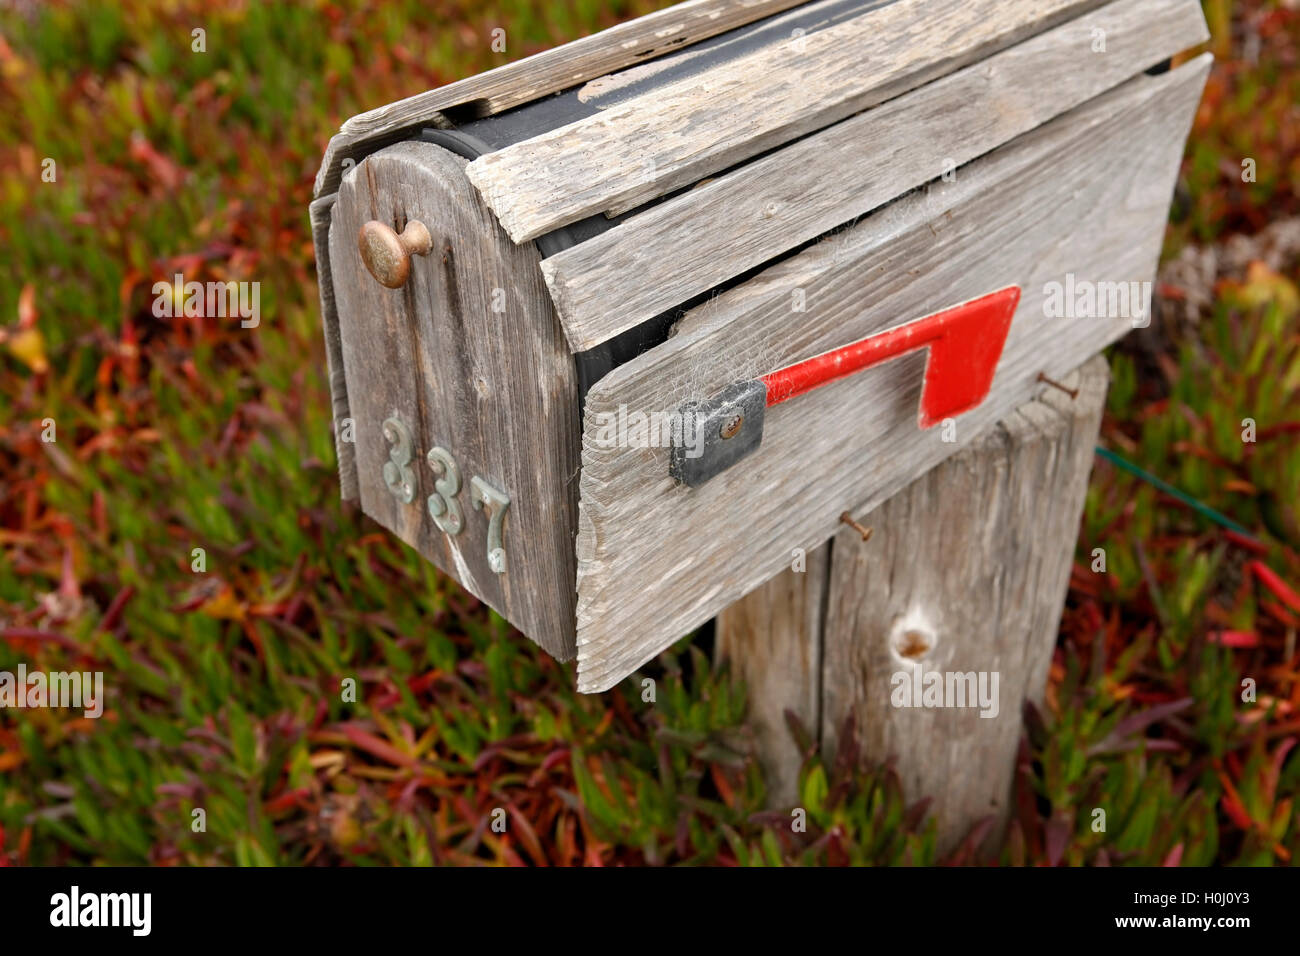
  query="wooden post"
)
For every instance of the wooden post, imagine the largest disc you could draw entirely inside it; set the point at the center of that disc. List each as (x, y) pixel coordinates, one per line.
(965, 573)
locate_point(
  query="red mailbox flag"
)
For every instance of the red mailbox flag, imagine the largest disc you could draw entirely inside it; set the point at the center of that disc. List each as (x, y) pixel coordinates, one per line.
(965, 344)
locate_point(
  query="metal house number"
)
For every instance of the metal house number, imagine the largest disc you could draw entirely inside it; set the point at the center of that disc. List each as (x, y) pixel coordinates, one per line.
(398, 475)
(442, 505)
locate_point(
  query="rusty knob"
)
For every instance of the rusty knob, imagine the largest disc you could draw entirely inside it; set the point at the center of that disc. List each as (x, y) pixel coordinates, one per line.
(388, 255)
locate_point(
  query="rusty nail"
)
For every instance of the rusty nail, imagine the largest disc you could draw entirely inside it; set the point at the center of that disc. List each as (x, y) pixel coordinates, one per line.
(732, 426)
(913, 645)
(848, 520)
(1072, 392)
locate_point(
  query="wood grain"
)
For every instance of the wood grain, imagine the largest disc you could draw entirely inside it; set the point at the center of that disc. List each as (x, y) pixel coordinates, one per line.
(1087, 194)
(771, 639)
(978, 548)
(496, 389)
(974, 559)
(649, 145)
(320, 211)
(542, 74)
(703, 237)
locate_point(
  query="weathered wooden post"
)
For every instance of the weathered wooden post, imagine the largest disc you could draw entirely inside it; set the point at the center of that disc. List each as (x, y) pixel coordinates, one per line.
(964, 577)
(618, 332)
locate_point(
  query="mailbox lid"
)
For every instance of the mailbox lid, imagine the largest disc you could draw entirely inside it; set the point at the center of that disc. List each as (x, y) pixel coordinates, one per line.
(461, 391)
(729, 169)
(1083, 199)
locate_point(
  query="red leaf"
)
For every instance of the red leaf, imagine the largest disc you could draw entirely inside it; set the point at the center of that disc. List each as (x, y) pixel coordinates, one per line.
(287, 800)
(1058, 835)
(376, 747)
(1234, 638)
(1253, 545)
(1280, 613)
(1270, 580)
(1232, 805)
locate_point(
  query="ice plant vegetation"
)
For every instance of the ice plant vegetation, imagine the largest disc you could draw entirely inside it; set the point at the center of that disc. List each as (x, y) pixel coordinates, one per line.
(286, 684)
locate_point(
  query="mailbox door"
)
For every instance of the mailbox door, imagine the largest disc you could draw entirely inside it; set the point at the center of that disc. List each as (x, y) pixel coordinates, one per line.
(1071, 214)
(462, 392)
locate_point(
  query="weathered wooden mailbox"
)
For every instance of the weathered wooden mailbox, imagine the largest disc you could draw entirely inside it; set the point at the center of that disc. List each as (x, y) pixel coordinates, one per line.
(622, 326)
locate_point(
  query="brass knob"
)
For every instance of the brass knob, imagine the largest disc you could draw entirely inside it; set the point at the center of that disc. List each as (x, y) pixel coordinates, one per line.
(388, 255)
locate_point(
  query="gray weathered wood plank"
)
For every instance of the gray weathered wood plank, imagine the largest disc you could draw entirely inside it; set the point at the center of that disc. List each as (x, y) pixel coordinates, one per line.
(540, 75)
(495, 386)
(1085, 196)
(976, 552)
(320, 211)
(771, 639)
(652, 144)
(705, 236)
(966, 573)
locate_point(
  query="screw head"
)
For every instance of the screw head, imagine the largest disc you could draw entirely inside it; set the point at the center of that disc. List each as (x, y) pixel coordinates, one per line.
(731, 427)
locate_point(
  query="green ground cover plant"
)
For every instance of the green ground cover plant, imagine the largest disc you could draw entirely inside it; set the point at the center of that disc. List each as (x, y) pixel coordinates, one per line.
(225, 687)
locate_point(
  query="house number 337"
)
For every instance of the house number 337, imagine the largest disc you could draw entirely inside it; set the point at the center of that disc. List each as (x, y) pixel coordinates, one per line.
(444, 509)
